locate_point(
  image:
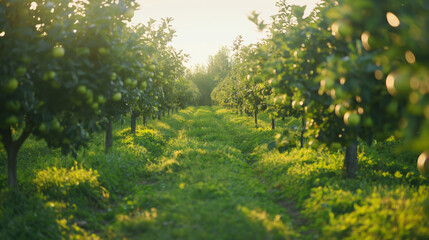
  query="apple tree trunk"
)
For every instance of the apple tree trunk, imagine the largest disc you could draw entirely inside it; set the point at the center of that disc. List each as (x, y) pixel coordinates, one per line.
(133, 123)
(109, 135)
(273, 123)
(303, 126)
(144, 120)
(350, 166)
(256, 118)
(12, 148)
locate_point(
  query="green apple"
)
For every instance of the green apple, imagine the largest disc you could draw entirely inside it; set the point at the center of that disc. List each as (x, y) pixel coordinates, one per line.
(58, 52)
(42, 128)
(66, 141)
(21, 71)
(340, 110)
(339, 93)
(117, 97)
(113, 76)
(144, 84)
(128, 81)
(351, 119)
(81, 89)
(13, 106)
(94, 106)
(12, 120)
(398, 83)
(392, 107)
(51, 75)
(335, 146)
(101, 99)
(55, 124)
(368, 122)
(152, 67)
(328, 82)
(313, 144)
(423, 163)
(134, 83)
(129, 13)
(55, 84)
(11, 86)
(102, 50)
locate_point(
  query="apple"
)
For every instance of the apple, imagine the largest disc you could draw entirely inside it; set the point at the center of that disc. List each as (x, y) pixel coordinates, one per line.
(339, 93)
(11, 86)
(351, 119)
(21, 71)
(144, 84)
(12, 120)
(66, 141)
(51, 75)
(13, 106)
(117, 97)
(398, 84)
(81, 89)
(129, 13)
(328, 82)
(54, 84)
(423, 163)
(368, 122)
(101, 99)
(83, 51)
(94, 106)
(55, 125)
(42, 128)
(152, 67)
(102, 50)
(335, 146)
(58, 52)
(113, 76)
(313, 144)
(134, 83)
(392, 108)
(128, 82)
(340, 110)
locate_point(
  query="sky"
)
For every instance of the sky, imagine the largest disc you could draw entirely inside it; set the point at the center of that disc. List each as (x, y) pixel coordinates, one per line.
(204, 26)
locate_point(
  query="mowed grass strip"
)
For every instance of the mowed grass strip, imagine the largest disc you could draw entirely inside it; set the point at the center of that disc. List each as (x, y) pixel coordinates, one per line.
(205, 189)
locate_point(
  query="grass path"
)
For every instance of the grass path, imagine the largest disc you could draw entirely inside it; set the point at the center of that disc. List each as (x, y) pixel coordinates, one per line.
(204, 187)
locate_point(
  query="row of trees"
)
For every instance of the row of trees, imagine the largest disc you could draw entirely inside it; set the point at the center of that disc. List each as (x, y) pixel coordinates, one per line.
(351, 70)
(70, 68)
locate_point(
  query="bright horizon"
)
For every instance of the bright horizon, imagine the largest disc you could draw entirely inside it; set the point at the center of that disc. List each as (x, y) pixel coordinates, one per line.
(203, 27)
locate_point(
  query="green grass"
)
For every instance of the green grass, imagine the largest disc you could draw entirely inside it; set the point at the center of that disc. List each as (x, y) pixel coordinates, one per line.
(207, 173)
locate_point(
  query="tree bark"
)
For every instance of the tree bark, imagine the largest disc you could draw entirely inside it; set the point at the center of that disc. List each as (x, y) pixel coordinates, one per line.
(109, 135)
(12, 148)
(163, 114)
(256, 118)
(133, 123)
(12, 176)
(303, 125)
(350, 166)
(168, 112)
(144, 120)
(241, 112)
(159, 115)
(273, 123)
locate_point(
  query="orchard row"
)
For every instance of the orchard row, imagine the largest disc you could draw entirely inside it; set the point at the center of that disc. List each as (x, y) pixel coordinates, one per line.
(351, 70)
(68, 68)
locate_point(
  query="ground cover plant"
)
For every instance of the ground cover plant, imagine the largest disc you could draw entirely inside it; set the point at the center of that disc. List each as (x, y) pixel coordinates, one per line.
(208, 173)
